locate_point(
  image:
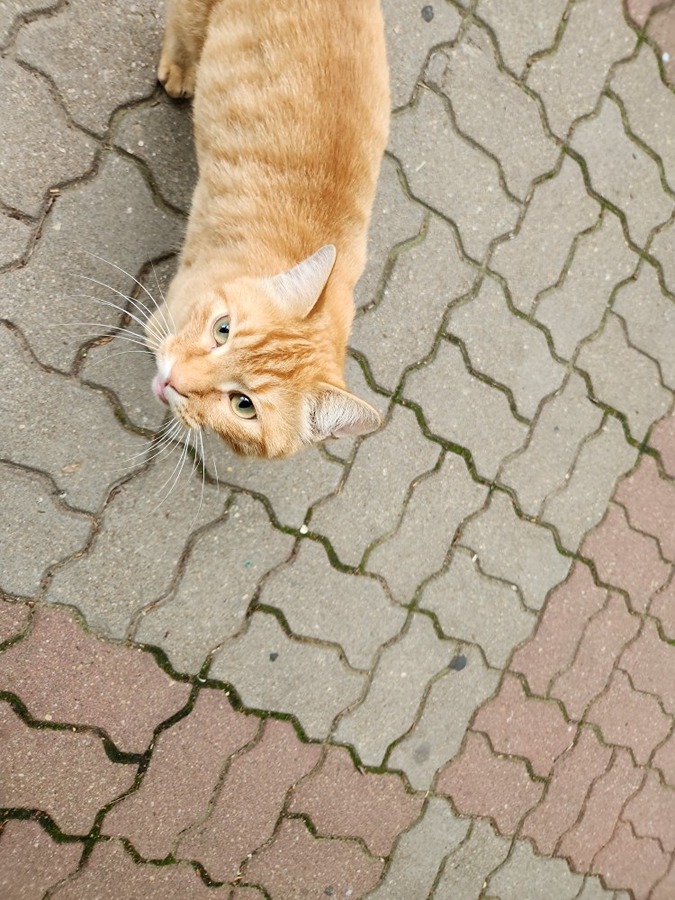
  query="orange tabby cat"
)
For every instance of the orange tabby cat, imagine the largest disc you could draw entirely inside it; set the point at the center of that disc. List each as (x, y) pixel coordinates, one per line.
(291, 110)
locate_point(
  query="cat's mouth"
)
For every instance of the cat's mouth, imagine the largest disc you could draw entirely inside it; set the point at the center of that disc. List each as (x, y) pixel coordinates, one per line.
(165, 391)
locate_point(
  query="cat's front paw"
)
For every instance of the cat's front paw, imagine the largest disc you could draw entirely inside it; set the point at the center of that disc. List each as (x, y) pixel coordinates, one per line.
(178, 81)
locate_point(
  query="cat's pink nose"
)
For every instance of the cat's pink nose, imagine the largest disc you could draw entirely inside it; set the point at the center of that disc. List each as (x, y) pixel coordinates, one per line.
(159, 385)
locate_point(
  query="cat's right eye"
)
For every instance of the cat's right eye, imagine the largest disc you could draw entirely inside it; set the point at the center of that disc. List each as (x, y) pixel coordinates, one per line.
(243, 406)
(221, 329)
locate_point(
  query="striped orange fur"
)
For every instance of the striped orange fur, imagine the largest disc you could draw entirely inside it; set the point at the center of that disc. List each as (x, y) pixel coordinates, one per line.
(291, 111)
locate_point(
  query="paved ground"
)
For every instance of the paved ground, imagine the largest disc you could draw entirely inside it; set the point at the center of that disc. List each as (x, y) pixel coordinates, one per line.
(436, 664)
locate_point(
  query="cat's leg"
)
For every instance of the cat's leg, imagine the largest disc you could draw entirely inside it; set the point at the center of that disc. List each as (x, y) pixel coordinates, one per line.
(184, 36)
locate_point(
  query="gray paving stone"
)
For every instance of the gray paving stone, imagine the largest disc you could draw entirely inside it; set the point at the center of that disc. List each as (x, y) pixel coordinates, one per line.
(113, 216)
(446, 172)
(544, 465)
(12, 10)
(570, 80)
(663, 248)
(574, 310)
(581, 503)
(33, 127)
(449, 708)
(523, 28)
(225, 565)
(137, 549)
(369, 505)
(415, 551)
(649, 316)
(516, 550)
(99, 54)
(467, 868)
(433, 273)
(536, 877)
(410, 37)
(534, 257)
(320, 602)
(508, 349)
(615, 164)
(401, 677)
(624, 378)
(55, 425)
(496, 112)
(14, 238)
(420, 852)
(472, 607)
(144, 132)
(593, 890)
(649, 106)
(35, 532)
(449, 397)
(271, 671)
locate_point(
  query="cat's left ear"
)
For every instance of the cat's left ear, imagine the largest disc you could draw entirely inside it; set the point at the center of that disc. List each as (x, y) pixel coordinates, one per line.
(298, 289)
(337, 413)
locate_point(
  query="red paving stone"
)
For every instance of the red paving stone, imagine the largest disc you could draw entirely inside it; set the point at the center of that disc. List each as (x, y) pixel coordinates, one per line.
(63, 773)
(342, 802)
(663, 608)
(664, 760)
(652, 812)
(31, 862)
(13, 619)
(567, 611)
(482, 784)
(650, 662)
(250, 801)
(626, 559)
(183, 772)
(296, 866)
(665, 889)
(631, 861)
(663, 439)
(64, 675)
(649, 501)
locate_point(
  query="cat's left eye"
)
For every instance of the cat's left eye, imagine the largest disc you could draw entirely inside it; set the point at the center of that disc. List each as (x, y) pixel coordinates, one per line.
(221, 329)
(243, 406)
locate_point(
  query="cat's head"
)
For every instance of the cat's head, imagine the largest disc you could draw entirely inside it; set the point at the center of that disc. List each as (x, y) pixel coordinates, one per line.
(249, 360)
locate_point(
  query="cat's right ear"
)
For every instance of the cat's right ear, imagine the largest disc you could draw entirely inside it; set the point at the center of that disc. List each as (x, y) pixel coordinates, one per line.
(334, 413)
(298, 289)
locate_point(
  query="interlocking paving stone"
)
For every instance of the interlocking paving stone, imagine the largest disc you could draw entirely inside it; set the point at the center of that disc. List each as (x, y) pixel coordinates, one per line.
(35, 531)
(96, 54)
(385, 466)
(343, 802)
(271, 671)
(49, 295)
(420, 853)
(570, 79)
(630, 718)
(651, 812)
(649, 662)
(581, 503)
(624, 378)
(506, 348)
(448, 710)
(525, 874)
(64, 675)
(488, 105)
(12, 10)
(14, 619)
(466, 867)
(296, 865)
(184, 768)
(112, 874)
(413, 553)
(544, 465)
(516, 550)
(649, 501)
(410, 36)
(320, 602)
(249, 801)
(518, 725)
(449, 397)
(605, 636)
(572, 311)
(626, 559)
(482, 784)
(31, 862)
(62, 773)
(662, 248)
(665, 887)
(522, 29)
(32, 124)
(663, 607)
(661, 29)
(573, 774)
(14, 237)
(628, 859)
(615, 163)
(216, 585)
(138, 547)
(395, 219)
(434, 271)
(450, 181)
(664, 759)
(533, 258)
(472, 607)
(84, 454)
(401, 676)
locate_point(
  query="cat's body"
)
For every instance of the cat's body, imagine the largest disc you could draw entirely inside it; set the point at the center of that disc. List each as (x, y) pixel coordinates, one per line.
(291, 111)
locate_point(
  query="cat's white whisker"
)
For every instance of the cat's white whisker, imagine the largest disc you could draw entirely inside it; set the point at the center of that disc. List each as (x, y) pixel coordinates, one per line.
(96, 362)
(159, 308)
(165, 439)
(105, 331)
(179, 466)
(154, 332)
